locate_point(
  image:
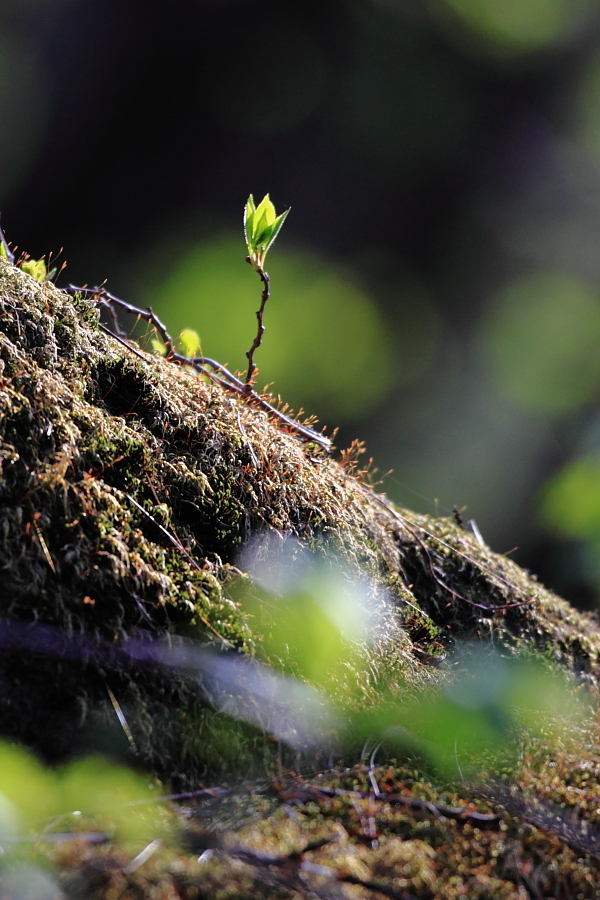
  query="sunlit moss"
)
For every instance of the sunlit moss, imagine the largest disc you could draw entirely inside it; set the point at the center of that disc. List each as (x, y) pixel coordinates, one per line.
(125, 419)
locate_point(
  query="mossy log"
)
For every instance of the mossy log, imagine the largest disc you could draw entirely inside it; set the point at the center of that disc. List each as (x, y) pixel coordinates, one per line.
(128, 486)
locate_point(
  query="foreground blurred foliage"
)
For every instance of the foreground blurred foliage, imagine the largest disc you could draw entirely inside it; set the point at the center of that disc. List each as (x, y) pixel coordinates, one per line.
(514, 736)
(507, 730)
(89, 801)
(310, 621)
(33, 796)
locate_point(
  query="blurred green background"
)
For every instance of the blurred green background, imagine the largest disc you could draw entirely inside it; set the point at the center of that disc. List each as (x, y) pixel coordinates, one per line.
(436, 287)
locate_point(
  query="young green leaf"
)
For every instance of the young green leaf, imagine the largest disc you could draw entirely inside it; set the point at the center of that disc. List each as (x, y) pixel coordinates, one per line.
(158, 347)
(249, 211)
(190, 341)
(261, 227)
(276, 228)
(36, 268)
(263, 219)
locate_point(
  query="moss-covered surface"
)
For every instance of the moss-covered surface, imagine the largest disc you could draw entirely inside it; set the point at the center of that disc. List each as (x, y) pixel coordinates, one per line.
(328, 836)
(89, 433)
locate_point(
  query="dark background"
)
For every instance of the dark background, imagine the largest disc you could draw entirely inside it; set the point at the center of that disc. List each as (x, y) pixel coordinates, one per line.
(436, 287)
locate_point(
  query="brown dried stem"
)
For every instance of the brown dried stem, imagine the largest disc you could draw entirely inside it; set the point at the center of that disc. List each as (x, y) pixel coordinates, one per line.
(261, 328)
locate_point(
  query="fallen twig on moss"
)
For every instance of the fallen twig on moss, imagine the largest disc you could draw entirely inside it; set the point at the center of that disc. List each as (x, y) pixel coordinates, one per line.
(564, 823)
(304, 794)
(217, 373)
(291, 868)
(494, 575)
(220, 375)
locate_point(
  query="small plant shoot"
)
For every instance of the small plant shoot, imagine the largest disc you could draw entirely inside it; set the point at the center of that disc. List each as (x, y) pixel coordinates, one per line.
(37, 268)
(261, 227)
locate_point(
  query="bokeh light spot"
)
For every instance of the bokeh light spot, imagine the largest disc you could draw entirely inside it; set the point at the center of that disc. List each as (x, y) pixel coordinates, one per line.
(571, 500)
(587, 124)
(540, 341)
(521, 25)
(325, 347)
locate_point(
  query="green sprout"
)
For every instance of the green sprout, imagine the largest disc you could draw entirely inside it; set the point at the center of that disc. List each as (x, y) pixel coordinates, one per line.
(261, 227)
(36, 268)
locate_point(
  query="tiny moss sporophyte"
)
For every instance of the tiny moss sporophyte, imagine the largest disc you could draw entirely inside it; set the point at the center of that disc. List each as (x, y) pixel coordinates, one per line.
(261, 227)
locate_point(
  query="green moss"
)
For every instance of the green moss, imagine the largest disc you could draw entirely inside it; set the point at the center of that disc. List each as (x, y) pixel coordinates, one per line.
(89, 433)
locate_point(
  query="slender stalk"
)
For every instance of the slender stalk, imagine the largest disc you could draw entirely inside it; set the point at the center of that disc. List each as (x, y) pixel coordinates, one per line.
(261, 328)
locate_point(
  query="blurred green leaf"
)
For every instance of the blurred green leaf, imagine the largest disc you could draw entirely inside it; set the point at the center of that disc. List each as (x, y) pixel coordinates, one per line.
(190, 341)
(539, 342)
(571, 500)
(523, 25)
(479, 714)
(30, 789)
(299, 635)
(542, 700)
(158, 346)
(112, 794)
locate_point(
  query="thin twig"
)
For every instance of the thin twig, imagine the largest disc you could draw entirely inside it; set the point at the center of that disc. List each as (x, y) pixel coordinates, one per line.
(142, 857)
(439, 810)
(44, 546)
(291, 866)
(122, 720)
(245, 436)
(567, 824)
(379, 499)
(391, 892)
(122, 341)
(261, 328)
